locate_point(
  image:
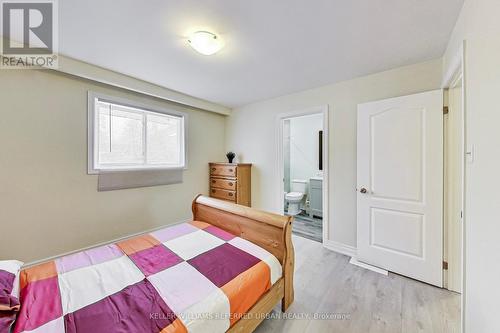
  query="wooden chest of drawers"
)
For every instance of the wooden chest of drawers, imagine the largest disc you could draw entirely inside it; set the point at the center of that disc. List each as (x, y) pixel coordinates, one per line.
(231, 182)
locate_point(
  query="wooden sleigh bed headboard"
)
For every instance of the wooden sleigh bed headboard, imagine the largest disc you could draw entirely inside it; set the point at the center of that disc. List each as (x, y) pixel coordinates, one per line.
(272, 232)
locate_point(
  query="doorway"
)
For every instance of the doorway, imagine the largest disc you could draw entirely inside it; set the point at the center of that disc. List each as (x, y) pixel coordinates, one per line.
(302, 170)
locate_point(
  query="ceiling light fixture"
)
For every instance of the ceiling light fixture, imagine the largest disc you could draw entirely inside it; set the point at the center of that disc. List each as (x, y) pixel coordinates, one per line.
(205, 42)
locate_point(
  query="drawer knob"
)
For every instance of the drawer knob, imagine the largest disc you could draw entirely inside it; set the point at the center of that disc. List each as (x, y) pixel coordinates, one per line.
(230, 170)
(214, 181)
(230, 184)
(213, 169)
(230, 194)
(213, 191)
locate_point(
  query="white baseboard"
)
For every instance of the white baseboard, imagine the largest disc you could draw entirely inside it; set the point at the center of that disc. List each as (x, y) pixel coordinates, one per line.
(375, 269)
(334, 246)
(119, 239)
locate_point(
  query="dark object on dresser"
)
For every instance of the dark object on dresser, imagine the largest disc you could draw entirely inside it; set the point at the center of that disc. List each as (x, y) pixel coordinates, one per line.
(230, 156)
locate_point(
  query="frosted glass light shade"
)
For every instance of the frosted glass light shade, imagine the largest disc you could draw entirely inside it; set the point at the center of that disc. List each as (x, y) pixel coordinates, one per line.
(205, 42)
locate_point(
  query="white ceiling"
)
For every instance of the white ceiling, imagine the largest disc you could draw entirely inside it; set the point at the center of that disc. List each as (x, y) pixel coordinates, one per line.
(273, 47)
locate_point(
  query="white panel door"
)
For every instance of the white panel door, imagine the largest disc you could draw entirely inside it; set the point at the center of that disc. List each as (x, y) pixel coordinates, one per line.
(400, 185)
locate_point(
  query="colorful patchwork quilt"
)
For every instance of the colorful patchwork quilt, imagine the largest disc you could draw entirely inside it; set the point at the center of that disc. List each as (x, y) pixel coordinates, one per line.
(191, 277)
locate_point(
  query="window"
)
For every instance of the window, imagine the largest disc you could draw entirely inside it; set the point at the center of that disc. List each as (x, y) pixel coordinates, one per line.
(125, 135)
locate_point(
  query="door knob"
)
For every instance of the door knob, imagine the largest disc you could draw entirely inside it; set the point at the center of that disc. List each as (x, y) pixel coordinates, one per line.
(363, 190)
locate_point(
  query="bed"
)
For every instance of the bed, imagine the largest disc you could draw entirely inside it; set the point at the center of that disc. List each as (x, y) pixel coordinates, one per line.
(223, 271)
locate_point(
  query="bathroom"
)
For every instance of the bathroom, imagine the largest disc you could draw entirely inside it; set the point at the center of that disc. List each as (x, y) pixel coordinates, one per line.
(303, 174)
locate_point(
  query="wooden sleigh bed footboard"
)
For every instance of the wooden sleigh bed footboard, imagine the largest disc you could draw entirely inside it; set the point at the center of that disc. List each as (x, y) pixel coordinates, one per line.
(272, 232)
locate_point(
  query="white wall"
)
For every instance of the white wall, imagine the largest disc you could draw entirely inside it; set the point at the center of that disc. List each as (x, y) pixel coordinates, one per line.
(479, 25)
(304, 146)
(251, 133)
(48, 203)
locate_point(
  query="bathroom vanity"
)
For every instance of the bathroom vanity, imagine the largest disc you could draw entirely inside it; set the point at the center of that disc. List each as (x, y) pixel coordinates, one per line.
(316, 196)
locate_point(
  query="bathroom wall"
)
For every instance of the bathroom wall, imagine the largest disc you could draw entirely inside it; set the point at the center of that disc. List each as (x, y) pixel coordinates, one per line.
(304, 146)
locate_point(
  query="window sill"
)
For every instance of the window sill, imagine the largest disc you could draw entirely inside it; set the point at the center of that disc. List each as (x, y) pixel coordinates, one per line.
(102, 171)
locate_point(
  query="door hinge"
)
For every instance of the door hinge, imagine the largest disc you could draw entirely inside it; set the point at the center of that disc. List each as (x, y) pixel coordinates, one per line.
(445, 265)
(445, 110)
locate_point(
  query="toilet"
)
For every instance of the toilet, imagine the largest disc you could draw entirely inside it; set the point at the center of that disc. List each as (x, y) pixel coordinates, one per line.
(295, 197)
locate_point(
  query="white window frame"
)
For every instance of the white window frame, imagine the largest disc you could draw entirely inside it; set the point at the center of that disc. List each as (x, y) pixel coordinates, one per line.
(93, 97)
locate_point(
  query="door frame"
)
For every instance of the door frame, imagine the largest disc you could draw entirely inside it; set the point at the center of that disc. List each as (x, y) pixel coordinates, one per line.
(279, 185)
(455, 69)
(450, 241)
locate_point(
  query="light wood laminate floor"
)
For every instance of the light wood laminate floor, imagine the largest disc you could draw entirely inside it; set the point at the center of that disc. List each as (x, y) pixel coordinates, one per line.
(325, 283)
